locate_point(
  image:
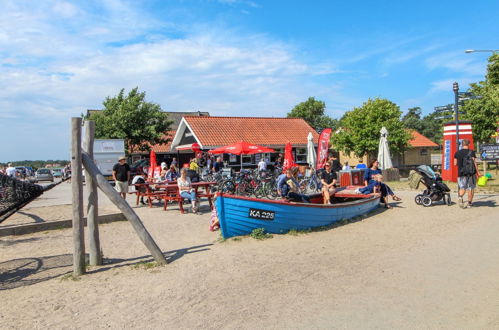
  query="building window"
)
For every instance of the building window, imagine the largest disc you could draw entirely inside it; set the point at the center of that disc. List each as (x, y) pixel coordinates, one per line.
(301, 155)
(423, 152)
(248, 159)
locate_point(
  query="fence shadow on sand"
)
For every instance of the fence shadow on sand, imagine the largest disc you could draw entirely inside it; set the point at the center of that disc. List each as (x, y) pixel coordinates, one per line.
(28, 271)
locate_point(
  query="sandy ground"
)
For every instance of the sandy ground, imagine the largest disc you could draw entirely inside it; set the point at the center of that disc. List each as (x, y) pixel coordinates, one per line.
(405, 268)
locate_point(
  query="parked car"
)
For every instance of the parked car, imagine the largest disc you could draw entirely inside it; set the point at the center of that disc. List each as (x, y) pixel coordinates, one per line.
(57, 172)
(140, 165)
(44, 174)
(21, 171)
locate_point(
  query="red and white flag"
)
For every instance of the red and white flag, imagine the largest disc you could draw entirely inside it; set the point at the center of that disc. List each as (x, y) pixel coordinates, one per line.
(323, 148)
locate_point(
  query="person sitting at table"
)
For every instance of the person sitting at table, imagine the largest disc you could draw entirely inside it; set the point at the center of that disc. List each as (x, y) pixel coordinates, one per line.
(139, 178)
(171, 174)
(163, 172)
(328, 180)
(369, 177)
(187, 191)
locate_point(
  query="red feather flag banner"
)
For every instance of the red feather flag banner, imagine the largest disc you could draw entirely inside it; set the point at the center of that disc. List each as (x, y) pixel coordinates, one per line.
(152, 166)
(289, 160)
(323, 148)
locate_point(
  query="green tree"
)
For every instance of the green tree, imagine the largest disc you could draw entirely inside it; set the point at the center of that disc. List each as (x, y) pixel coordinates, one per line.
(313, 112)
(432, 127)
(359, 132)
(484, 110)
(140, 123)
(412, 119)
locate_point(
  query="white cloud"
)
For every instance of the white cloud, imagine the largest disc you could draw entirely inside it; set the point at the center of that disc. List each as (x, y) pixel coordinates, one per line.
(456, 62)
(52, 69)
(65, 9)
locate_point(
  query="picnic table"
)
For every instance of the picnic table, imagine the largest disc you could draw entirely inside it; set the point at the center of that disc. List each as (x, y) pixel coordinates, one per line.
(169, 191)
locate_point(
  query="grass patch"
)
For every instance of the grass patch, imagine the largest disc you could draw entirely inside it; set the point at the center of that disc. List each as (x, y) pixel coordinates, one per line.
(220, 238)
(296, 232)
(260, 234)
(237, 239)
(145, 265)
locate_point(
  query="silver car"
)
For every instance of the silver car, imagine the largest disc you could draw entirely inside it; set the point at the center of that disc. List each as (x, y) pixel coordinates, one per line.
(44, 174)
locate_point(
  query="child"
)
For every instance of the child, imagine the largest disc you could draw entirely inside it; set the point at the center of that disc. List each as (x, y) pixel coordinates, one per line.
(214, 222)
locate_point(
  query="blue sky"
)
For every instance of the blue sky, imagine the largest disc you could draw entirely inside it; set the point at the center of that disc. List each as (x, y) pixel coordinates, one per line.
(228, 57)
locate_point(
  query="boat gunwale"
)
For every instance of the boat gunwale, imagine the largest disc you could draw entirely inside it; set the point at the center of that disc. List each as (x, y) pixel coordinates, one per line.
(359, 201)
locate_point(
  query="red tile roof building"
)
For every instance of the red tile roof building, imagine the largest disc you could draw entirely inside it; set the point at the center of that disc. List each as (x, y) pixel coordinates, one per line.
(419, 140)
(213, 132)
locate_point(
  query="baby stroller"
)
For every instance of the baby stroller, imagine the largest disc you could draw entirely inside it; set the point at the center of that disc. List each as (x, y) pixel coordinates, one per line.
(435, 190)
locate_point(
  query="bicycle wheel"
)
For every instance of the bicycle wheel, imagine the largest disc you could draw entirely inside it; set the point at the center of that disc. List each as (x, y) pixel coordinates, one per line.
(228, 187)
(259, 191)
(304, 185)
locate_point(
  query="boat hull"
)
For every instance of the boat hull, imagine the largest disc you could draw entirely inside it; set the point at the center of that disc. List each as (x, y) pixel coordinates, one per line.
(241, 215)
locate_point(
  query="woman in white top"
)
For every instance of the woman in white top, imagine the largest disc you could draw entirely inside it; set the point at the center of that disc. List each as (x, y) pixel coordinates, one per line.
(186, 190)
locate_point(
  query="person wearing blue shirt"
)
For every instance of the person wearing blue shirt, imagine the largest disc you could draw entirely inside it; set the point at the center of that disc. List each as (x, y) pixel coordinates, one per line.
(369, 177)
(361, 164)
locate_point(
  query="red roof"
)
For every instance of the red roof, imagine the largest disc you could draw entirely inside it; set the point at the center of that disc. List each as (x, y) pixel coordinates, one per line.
(419, 140)
(220, 131)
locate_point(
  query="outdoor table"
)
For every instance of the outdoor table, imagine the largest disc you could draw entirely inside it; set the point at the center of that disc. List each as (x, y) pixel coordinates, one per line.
(207, 193)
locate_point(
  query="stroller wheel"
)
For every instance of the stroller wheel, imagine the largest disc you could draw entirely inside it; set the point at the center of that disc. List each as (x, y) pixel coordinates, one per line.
(418, 199)
(426, 201)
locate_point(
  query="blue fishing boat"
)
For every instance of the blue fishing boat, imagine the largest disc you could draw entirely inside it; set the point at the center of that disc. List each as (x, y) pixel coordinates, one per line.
(240, 215)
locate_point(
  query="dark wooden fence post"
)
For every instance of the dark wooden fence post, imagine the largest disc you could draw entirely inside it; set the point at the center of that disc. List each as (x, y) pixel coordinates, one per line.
(77, 191)
(92, 199)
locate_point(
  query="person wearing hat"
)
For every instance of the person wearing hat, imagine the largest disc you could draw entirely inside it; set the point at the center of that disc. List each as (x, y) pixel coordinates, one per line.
(121, 176)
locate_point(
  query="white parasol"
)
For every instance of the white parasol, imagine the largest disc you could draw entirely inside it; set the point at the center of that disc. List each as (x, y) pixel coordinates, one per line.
(384, 158)
(311, 155)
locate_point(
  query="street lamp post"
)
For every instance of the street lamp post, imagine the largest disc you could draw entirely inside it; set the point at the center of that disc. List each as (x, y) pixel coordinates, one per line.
(455, 88)
(481, 51)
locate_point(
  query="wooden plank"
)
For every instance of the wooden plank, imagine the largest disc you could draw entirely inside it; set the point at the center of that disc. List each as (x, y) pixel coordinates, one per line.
(77, 191)
(92, 199)
(129, 213)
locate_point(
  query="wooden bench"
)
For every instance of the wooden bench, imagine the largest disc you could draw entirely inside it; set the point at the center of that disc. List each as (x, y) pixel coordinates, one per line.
(145, 190)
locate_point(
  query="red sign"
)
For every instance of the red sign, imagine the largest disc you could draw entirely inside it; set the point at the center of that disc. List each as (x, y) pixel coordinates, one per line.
(323, 148)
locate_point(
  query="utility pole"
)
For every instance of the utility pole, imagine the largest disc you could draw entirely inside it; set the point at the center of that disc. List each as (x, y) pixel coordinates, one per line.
(455, 88)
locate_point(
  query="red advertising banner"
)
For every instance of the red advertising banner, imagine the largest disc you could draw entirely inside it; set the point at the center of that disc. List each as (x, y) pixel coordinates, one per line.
(289, 160)
(323, 148)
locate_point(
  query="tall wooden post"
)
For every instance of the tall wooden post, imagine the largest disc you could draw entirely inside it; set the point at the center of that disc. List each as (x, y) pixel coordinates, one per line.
(77, 190)
(92, 198)
(127, 211)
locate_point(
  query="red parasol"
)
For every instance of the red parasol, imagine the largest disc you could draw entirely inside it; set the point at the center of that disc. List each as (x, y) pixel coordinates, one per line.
(288, 157)
(241, 147)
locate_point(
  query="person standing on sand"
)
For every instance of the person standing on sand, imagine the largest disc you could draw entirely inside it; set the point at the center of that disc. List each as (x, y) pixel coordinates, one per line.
(467, 172)
(121, 176)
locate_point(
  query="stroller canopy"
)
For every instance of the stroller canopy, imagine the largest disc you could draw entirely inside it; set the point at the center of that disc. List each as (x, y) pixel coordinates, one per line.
(426, 170)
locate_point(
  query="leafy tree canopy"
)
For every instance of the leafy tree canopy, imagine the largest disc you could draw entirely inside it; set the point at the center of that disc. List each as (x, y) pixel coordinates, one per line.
(412, 119)
(140, 123)
(313, 112)
(36, 164)
(360, 128)
(430, 125)
(484, 111)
